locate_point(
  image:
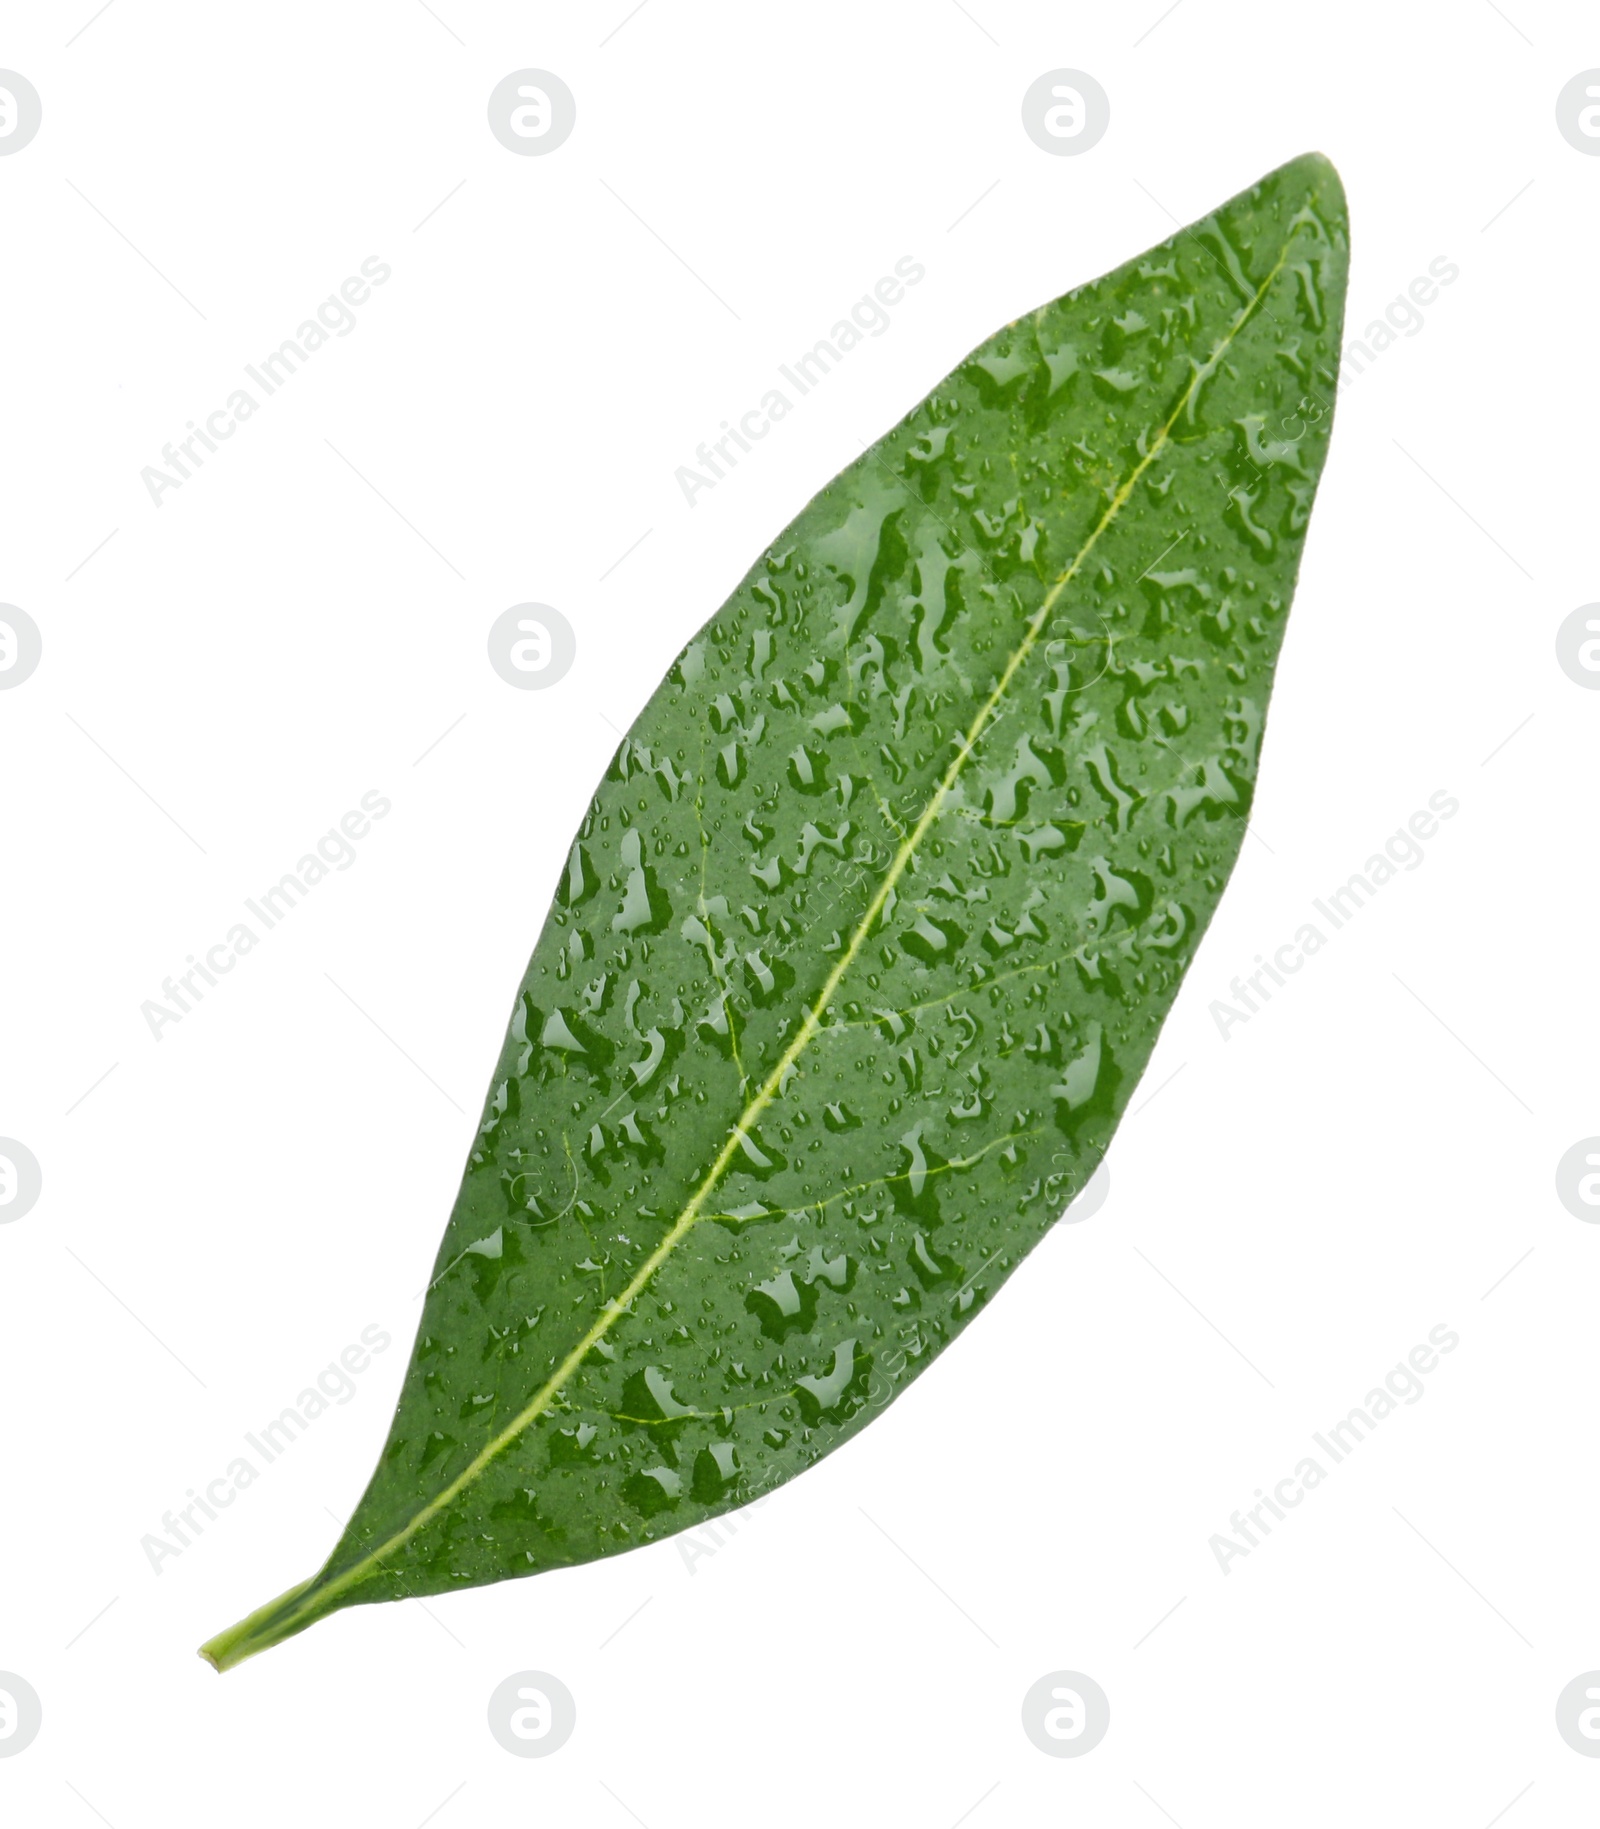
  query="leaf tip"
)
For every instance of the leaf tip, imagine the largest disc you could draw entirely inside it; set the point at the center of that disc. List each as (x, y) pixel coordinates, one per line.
(1318, 173)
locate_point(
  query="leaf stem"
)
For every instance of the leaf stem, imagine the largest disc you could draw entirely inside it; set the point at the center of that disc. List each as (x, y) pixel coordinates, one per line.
(259, 1631)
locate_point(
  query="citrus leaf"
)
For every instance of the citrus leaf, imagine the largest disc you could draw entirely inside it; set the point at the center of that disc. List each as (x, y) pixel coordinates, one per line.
(872, 924)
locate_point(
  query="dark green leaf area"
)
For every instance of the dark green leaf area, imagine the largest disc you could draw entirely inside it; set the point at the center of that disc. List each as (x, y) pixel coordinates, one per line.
(871, 926)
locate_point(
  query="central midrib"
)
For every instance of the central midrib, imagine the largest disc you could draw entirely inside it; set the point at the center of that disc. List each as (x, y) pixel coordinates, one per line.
(686, 1220)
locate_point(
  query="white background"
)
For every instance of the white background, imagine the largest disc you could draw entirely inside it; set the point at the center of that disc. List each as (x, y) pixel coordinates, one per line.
(1364, 1159)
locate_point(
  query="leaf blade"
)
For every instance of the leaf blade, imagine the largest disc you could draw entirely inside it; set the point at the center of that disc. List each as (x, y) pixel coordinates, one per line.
(900, 590)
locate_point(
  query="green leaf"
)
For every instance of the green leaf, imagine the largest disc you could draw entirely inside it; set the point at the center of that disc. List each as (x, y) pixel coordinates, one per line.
(871, 926)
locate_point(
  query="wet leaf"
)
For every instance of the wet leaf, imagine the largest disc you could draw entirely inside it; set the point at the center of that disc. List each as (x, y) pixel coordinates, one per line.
(872, 924)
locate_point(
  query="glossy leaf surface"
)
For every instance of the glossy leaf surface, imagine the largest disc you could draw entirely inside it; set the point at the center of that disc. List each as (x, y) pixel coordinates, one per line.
(872, 924)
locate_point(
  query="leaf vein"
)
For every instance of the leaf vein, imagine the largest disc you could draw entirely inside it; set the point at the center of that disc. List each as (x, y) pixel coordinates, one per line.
(811, 1024)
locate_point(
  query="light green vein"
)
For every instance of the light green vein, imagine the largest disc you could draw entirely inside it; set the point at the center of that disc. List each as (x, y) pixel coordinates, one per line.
(317, 1596)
